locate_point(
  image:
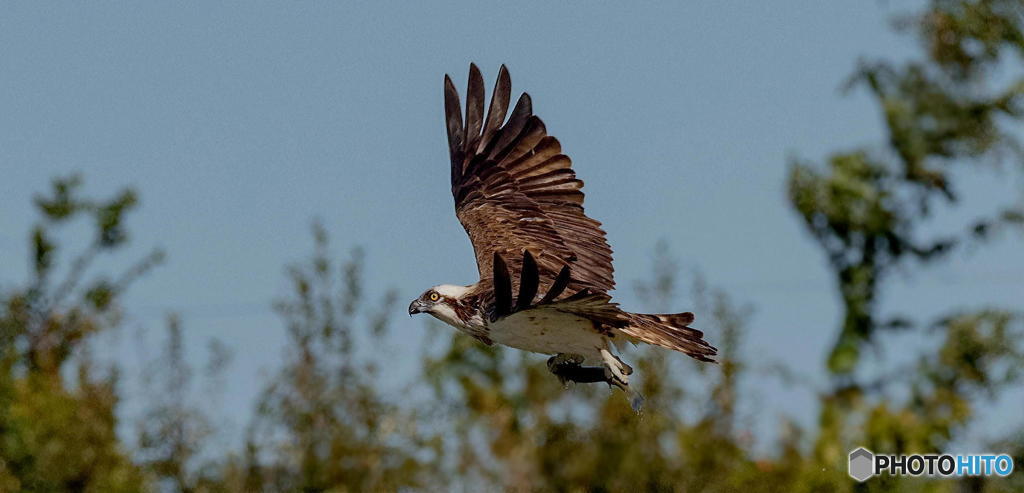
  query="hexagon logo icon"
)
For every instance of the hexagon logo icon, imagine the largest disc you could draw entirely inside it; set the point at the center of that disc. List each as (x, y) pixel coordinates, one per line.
(861, 464)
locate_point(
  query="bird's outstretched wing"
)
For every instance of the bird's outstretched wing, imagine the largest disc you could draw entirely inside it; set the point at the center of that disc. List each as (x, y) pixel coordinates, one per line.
(515, 191)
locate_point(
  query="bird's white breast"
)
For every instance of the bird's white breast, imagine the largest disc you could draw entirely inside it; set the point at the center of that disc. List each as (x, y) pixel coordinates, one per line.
(548, 332)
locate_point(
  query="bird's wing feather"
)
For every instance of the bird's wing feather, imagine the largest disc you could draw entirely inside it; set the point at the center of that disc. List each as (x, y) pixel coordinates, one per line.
(597, 307)
(515, 191)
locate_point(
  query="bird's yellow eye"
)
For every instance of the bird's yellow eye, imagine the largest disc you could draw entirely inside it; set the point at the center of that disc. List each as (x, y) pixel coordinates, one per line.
(434, 296)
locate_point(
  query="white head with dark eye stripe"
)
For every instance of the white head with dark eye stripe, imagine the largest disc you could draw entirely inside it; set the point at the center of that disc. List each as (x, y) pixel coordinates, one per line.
(438, 301)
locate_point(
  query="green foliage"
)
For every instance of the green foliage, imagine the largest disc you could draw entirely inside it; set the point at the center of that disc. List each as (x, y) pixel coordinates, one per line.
(869, 209)
(321, 422)
(59, 433)
(174, 432)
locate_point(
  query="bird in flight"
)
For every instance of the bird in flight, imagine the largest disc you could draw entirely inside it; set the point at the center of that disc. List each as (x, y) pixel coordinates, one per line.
(545, 267)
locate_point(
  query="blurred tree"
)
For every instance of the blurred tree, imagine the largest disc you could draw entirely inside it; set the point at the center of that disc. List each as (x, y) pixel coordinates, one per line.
(871, 210)
(57, 410)
(321, 424)
(174, 433)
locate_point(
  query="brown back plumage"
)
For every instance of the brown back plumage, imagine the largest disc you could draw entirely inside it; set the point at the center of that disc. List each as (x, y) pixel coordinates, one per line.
(515, 191)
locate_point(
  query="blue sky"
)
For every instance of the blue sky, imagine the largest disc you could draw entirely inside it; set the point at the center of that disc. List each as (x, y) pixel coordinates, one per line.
(240, 122)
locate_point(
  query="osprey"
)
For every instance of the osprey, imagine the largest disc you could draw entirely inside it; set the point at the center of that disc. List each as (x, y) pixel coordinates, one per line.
(545, 267)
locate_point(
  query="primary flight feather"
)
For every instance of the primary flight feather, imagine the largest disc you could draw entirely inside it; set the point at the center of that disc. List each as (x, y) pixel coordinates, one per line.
(545, 267)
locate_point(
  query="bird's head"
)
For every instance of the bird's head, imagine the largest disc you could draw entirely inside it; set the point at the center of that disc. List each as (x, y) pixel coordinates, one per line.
(440, 301)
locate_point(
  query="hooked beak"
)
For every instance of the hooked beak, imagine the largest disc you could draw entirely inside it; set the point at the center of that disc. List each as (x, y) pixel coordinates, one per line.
(417, 306)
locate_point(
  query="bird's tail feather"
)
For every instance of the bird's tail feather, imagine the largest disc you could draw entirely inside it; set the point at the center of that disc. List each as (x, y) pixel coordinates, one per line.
(670, 331)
